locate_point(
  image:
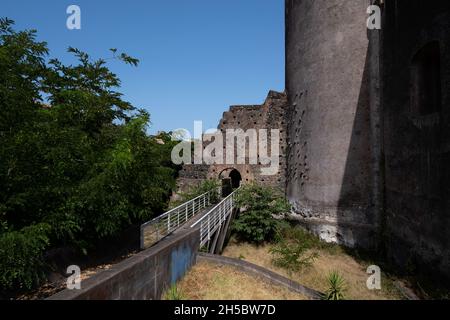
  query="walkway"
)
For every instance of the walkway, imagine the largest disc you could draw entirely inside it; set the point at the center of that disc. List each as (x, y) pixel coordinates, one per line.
(213, 220)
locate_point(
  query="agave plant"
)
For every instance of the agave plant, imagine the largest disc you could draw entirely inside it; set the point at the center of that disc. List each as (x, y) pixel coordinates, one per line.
(336, 287)
(174, 293)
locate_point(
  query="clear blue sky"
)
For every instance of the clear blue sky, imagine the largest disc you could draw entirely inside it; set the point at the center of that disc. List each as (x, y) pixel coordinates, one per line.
(197, 56)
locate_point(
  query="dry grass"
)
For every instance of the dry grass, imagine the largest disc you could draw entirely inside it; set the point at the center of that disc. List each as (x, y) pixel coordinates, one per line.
(315, 276)
(208, 281)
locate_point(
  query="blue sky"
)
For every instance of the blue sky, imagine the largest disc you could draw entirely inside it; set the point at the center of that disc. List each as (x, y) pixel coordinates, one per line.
(198, 57)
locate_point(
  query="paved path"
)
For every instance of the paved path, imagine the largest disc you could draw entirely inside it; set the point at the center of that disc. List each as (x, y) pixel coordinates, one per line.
(187, 225)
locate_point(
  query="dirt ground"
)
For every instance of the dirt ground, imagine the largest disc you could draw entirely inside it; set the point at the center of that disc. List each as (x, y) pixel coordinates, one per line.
(208, 281)
(315, 276)
(57, 282)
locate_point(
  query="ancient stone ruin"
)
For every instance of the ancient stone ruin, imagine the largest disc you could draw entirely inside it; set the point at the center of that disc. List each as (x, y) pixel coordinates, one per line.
(269, 115)
(369, 126)
(365, 125)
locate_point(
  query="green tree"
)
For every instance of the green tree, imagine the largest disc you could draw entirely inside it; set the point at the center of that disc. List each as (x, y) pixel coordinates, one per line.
(76, 162)
(259, 206)
(194, 191)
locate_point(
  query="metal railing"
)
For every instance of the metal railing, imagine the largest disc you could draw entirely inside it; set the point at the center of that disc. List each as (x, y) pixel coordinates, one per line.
(214, 219)
(160, 227)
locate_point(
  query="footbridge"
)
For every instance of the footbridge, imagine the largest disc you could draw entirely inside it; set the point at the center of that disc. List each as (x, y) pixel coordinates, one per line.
(169, 247)
(212, 219)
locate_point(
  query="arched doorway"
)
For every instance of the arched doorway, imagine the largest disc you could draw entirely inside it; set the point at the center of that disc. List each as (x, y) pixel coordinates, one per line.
(236, 179)
(231, 179)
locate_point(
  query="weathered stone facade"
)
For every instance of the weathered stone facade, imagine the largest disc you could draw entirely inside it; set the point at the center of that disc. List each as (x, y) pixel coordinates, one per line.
(416, 134)
(269, 115)
(365, 126)
(329, 152)
(369, 126)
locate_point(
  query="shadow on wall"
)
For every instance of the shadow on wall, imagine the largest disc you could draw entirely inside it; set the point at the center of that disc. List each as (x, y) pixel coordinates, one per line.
(416, 51)
(363, 169)
(395, 189)
(357, 214)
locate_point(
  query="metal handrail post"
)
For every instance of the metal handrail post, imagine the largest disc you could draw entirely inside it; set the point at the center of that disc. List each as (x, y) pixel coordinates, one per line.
(168, 222)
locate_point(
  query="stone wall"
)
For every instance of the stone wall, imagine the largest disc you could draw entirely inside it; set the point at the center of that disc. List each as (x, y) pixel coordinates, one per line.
(416, 143)
(369, 127)
(269, 115)
(329, 166)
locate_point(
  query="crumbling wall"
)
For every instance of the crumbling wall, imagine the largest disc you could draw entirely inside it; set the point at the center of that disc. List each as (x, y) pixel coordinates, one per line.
(269, 115)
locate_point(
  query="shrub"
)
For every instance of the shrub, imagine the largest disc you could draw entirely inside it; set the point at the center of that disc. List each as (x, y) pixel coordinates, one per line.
(290, 232)
(292, 256)
(195, 191)
(21, 257)
(260, 205)
(336, 287)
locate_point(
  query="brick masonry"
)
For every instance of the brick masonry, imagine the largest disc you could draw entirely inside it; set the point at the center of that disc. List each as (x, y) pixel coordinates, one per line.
(269, 115)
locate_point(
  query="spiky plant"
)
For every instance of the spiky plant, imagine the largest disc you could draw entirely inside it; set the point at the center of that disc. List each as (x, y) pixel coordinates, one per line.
(174, 293)
(336, 287)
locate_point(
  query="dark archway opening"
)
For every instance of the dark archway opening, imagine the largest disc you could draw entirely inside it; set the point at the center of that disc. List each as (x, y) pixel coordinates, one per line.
(236, 179)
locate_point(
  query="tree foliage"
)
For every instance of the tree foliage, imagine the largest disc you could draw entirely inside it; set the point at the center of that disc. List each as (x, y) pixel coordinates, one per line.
(76, 163)
(260, 206)
(194, 191)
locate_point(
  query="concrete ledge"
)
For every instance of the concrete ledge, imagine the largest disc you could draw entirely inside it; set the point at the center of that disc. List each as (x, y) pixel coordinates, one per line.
(144, 276)
(256, 270)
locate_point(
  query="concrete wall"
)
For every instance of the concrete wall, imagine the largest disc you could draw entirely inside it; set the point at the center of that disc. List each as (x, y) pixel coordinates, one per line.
(329, 166)
(144, 276)
(417, 147)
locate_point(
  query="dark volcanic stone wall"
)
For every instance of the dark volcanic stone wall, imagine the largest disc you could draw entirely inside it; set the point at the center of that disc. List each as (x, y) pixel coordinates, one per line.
(329, 154)
(417, 146)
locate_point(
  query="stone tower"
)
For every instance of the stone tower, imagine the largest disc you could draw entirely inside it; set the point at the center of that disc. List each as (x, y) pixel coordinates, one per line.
(368, 156)
(330, 91)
